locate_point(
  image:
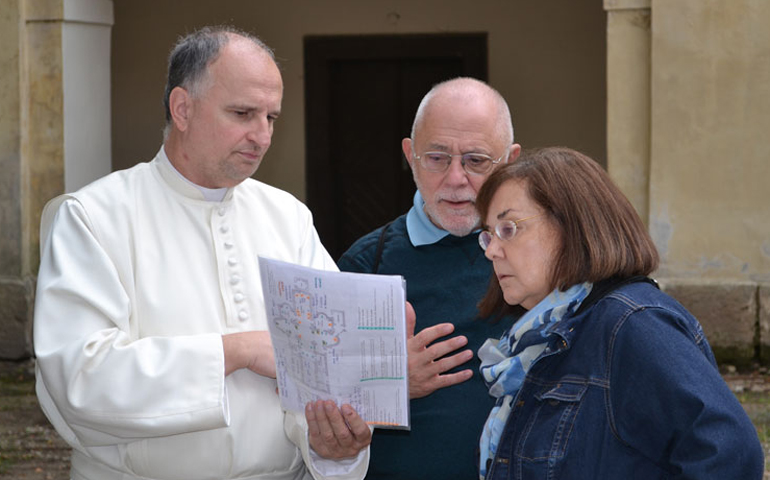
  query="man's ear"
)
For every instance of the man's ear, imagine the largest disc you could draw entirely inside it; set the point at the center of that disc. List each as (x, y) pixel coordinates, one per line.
(514, 153)
(180, 106)
(406, 147)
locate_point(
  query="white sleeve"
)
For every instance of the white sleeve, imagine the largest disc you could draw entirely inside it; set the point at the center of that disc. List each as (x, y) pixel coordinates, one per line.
(321, 468)
(94, 370)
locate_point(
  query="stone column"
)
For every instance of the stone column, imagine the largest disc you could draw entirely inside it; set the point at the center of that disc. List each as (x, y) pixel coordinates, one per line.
(709, 198)
(628, 99)
(43, 76)
(15, 284)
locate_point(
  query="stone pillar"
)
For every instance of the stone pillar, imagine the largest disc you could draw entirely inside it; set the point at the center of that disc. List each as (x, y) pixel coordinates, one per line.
(15, 287)
(628, 99)
(687, 104)
(43, 77)
(709, 200)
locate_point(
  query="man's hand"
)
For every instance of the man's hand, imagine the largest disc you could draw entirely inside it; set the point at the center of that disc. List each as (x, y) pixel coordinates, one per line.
(252, 350)
(425, 371)
(336, 432)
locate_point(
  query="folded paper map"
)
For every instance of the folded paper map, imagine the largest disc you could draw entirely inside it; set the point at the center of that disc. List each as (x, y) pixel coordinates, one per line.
(339, 336)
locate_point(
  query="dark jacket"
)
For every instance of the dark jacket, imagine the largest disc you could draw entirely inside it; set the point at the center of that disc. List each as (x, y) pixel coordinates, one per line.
(444, 281)
(629, 390)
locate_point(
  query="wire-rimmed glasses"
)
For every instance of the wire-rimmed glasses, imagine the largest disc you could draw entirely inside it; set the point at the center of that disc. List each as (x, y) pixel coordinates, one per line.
(505, 230)
(473, 163)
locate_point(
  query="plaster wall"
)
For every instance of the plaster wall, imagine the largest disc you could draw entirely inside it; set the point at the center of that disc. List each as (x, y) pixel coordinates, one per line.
(628, 99)
(710, 150)
(547, 59)
(86, 85)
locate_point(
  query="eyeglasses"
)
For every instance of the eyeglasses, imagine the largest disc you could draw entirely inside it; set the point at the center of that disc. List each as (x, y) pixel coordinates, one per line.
(505, 230)
(473, 163)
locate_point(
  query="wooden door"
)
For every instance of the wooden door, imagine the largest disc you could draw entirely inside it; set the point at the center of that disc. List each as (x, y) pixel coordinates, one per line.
(361, 94)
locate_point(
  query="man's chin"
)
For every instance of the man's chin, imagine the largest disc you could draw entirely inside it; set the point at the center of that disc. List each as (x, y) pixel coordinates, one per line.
(458, 223)
(238, 175)
(459, 227)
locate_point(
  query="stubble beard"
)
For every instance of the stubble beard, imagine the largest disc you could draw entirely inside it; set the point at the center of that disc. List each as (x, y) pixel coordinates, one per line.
(457, 225)
(236, 170)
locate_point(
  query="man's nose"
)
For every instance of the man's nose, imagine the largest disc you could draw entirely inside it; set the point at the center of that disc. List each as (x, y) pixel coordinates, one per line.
(260, 132)
(456, 174)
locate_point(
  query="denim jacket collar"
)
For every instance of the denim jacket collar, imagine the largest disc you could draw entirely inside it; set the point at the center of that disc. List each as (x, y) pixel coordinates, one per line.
(565, 330)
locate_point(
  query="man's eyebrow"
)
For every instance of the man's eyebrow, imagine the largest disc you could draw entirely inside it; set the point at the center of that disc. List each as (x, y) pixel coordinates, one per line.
(250, 108)
(240, 106)
(438, 146)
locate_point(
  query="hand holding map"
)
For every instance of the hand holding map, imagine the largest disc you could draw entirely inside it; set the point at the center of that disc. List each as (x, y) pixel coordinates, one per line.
(339, 336)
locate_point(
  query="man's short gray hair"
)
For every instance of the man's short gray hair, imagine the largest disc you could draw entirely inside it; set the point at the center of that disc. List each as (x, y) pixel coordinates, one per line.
(193, 53)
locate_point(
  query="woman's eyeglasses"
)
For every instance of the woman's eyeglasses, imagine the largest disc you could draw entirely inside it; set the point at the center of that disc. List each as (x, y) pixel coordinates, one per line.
(505, 230)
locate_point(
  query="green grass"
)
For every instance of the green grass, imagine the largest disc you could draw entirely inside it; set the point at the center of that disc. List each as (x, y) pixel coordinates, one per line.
(757, 406)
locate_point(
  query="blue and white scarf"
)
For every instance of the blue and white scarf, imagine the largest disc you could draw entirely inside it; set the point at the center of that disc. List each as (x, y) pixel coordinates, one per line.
(505, 363)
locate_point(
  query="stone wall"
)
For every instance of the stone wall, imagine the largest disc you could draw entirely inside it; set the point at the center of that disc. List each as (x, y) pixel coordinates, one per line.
(16, 285)
(688, 107)
(37, 36)
(688, 111)
(735, 316)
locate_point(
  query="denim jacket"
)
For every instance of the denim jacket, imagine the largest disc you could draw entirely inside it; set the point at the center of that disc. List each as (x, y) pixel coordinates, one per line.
(628, 389)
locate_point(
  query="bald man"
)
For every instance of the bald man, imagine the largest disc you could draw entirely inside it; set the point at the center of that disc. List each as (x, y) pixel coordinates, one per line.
(462, 131)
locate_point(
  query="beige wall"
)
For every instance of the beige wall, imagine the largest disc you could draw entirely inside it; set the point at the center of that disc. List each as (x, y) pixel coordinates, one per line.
(710, 156)
(688, 110)
(546, 58)
(688, 115)
(628, 99)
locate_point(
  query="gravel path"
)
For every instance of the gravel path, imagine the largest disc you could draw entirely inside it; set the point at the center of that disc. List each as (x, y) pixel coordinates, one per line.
(31, 450)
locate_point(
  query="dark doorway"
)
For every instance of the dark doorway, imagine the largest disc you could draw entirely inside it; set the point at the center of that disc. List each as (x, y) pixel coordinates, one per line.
(361, 94)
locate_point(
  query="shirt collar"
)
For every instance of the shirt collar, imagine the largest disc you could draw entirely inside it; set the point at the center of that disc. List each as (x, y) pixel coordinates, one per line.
(419, 227)
(209, 194)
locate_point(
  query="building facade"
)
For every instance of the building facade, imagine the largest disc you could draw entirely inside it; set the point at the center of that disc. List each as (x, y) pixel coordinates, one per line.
(673, 96)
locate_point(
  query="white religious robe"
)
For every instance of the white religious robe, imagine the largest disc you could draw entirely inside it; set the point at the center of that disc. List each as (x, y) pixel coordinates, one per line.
(139, 278)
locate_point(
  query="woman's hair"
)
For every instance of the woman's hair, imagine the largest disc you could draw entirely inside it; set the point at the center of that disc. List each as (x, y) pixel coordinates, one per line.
(600, 234)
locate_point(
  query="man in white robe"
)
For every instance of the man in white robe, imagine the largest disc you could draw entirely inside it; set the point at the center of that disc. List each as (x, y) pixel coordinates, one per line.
(153, 359)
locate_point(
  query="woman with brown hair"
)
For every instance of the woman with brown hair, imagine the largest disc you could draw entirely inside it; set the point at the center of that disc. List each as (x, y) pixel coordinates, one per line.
(603, 376)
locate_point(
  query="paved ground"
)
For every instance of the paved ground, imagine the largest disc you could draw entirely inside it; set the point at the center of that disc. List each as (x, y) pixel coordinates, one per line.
(29, 447)
(31, 450)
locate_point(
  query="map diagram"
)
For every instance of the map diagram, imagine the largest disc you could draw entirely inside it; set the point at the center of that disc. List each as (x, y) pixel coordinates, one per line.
(312, 332)
(338, 336)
